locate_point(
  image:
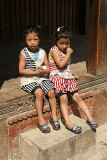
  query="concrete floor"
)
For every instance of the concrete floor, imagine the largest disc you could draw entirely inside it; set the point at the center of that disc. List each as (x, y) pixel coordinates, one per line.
(101, 143)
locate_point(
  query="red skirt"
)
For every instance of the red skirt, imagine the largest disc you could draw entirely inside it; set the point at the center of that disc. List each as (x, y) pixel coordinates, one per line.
(64, 85)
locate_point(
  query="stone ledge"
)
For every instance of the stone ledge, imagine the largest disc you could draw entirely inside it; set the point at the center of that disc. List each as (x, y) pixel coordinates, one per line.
(26, 103)
(32, 113)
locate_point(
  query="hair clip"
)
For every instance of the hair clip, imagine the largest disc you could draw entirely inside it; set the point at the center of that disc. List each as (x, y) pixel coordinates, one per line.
(59, 28)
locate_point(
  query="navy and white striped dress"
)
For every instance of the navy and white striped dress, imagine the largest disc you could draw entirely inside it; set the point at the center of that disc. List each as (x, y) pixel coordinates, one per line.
(31, 83)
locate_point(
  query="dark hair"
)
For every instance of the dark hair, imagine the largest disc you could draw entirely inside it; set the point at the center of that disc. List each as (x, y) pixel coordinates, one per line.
(62, 32)
(30, 29)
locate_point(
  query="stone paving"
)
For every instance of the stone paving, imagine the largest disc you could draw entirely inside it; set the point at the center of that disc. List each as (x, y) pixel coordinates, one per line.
(100, 134)
(101, 143)
(58, 145)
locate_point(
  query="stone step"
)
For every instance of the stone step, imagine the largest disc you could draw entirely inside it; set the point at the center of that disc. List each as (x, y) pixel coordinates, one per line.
(58, 145)
(101, 144)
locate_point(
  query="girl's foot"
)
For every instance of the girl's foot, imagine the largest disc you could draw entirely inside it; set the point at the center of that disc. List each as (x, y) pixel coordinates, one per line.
(44, 128)
(41, 121)
(55, 124)
(92, 124)
(75, 129)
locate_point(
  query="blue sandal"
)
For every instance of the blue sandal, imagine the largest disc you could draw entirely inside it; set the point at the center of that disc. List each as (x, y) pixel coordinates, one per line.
(55, 124)
(92, 124)
(44, 128)
(75, 130)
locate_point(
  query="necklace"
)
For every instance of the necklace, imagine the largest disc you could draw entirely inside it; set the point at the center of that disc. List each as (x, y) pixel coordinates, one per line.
(35, 56)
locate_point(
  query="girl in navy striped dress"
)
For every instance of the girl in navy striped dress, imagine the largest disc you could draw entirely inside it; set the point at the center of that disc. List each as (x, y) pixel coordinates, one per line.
(63, 80)
(34, 67)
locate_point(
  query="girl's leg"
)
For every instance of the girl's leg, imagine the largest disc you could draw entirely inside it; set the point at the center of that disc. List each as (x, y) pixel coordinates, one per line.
(53, 104)
(39, 104)
(77, 98)
(64, 110)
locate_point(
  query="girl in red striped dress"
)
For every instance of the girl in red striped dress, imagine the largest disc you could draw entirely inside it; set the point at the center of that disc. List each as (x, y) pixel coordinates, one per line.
(63, 80)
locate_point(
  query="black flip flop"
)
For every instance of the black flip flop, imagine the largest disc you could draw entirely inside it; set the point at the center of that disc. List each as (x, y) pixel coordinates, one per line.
(55, 124)
(75, 130)
(92, 124)
(44, 128)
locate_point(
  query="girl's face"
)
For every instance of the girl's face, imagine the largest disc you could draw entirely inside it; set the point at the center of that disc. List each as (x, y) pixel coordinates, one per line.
(32, 41)
(63, 44)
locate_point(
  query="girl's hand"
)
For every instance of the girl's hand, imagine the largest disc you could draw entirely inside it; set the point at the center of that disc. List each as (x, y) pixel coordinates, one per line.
(61, 62)
(69, 50)
(76, 77)
(43, 70)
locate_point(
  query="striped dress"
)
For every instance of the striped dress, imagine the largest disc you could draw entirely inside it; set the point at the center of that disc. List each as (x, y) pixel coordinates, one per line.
(61, 77)
(33, 62)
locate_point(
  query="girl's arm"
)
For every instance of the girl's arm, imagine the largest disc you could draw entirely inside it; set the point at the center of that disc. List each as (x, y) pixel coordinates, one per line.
(47, 70)
(23, 71)
(61, 62)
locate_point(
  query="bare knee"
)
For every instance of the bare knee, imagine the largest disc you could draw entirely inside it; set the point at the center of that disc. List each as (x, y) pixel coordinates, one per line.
(76, 97)
(39, 94)
(51, 93)
(64, 99)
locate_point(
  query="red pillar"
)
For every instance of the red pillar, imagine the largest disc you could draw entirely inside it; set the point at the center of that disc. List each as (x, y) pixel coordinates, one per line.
(97, 42)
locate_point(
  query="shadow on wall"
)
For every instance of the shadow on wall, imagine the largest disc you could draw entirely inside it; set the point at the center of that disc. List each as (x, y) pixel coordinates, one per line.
(9, 55)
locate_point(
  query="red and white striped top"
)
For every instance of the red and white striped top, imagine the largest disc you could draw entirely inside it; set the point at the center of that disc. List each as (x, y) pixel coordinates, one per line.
(64, 72)
(53, 65)
(62, 78)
